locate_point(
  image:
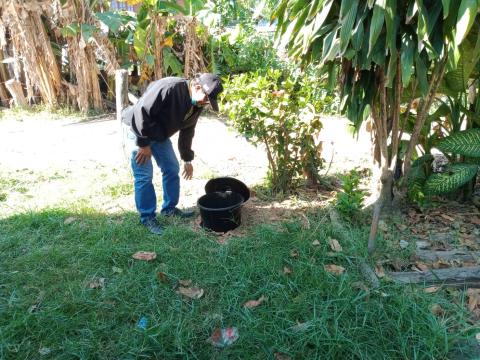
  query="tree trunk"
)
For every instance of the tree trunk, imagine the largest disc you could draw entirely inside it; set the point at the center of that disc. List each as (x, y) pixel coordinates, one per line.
(15, 89)
(423, 113)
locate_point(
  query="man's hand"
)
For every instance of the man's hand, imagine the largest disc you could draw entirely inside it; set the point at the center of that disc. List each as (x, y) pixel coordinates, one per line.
(143, 155)
(187, 171)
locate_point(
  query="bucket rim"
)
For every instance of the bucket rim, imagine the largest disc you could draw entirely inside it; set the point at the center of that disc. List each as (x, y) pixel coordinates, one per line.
(239, 204)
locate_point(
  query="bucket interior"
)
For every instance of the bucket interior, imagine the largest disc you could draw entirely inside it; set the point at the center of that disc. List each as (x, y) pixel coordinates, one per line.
(220, 200)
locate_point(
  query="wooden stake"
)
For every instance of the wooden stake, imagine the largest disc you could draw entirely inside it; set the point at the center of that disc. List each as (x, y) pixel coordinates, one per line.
(121, 92)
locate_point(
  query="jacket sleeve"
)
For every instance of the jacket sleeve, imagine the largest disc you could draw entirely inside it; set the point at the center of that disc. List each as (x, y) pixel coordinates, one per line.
(185, 139)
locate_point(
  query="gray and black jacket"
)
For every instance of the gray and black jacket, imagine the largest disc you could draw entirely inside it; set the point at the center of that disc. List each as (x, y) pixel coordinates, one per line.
(165, 108)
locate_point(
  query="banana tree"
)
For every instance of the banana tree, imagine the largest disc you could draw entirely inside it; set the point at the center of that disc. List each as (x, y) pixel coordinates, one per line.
(381, 50)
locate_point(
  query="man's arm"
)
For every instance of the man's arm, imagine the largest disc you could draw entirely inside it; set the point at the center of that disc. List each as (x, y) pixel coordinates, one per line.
(185, 139)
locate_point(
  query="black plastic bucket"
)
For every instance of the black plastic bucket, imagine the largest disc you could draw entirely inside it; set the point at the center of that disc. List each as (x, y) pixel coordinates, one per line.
(221, 211)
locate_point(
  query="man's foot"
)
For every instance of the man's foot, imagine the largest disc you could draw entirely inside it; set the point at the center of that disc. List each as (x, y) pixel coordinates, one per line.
(179, 213)
(153, 226)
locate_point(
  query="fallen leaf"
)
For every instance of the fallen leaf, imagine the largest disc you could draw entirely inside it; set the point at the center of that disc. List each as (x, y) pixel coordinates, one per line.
(334, 269)
(287, 270)
(44, 351)
(98, 283)
(191, 292)
(382, 225)
(33, 308)
(144, 255)
(335, 245)
(473, 299)
(281, 356)
(69, 220)
(436, 309)
(379, 271)
(316, 243)
(305, 222)
(294, 254)
(446, 217)
(162, 277)
(431, 289)
(185, 282)
(117, 270)
(421, 266)
(223, 337)
(300, 327)
(401, 227)
(440, 264)
(254, 303)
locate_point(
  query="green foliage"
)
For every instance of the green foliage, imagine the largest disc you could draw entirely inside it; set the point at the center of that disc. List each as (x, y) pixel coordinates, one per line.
(276, 110)
(241, 49)
(465, 142)
(421, 169)
(350, 199)
(452, 178)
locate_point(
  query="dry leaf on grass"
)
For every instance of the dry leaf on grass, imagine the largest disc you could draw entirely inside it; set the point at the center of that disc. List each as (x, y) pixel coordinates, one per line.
(300, 327)
(379, 271)
(144, 256)
(294, 254)
(305, 222)
(287, 270)
(436, 309)
(335, 245)
(191, 292)
(421, 266)
(254, 303)
(316, 243)
(440, 264)
(473, 299)
(185, 282)
(69, 220)
(334, 269)
(431, 289)
(281, 356)
(162, 277)
(98, 283)
(117, 270)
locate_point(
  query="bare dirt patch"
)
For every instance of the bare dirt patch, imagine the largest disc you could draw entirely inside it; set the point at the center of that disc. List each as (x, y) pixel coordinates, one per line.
(56, 161)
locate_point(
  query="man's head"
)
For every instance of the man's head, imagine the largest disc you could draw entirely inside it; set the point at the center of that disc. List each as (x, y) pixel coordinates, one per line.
(205, 89)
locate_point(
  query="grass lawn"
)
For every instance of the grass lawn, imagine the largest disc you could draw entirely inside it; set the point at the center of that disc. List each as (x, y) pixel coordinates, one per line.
(49, 258)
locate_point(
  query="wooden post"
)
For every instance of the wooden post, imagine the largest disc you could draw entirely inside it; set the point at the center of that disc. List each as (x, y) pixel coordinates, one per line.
(121, 92)
(15, 89)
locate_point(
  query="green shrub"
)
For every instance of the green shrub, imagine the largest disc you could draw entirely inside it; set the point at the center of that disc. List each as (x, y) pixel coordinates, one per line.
(350, 199)
(277, 110)
(240, 50)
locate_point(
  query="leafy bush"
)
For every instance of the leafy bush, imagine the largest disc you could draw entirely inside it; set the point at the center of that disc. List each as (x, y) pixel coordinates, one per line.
(457, 173)
(242, 49)
(350, 199)
(277, 111)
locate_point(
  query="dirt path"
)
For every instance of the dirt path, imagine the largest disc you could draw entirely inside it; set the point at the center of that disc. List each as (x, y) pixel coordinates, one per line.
(48, 160)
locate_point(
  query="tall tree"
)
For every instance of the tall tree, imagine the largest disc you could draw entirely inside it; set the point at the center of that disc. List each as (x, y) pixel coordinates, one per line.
(389, 55)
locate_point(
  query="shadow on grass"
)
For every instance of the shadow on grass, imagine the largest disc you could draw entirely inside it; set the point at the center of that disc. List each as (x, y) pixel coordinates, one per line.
(50, 258)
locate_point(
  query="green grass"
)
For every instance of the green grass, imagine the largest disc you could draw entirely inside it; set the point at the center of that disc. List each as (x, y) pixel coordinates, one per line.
(48, 263)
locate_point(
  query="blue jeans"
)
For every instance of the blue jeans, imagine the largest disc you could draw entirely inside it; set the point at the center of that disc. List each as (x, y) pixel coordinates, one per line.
(145, 197)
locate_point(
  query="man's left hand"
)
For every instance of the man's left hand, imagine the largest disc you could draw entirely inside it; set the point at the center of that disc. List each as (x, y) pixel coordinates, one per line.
(187, 171)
